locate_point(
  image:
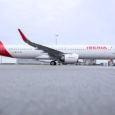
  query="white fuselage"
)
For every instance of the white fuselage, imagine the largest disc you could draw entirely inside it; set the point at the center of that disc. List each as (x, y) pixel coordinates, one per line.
(84, 52)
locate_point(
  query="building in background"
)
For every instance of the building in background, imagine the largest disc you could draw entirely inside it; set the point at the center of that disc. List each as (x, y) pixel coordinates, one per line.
(102, 62)
(28, 61)
(8, 60)
(5, 60)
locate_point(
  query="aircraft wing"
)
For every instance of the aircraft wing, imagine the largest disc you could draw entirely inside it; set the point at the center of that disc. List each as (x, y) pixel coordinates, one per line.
(55, 54)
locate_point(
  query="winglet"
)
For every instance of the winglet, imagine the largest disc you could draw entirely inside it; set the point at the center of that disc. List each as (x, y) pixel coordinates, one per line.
(22, 35)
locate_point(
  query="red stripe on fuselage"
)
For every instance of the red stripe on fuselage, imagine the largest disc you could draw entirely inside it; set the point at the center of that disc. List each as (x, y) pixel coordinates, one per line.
(3, 50)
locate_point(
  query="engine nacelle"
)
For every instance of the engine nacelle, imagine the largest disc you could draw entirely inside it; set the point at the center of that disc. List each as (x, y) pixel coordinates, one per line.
(70, 58)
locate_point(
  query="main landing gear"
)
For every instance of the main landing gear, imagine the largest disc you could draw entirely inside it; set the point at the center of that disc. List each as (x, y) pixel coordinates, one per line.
(52, 63)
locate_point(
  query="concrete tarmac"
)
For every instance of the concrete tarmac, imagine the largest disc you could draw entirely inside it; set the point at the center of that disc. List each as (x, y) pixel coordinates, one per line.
(57, 90)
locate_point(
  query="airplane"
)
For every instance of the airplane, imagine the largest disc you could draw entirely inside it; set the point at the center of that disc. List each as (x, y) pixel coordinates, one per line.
(65, 54)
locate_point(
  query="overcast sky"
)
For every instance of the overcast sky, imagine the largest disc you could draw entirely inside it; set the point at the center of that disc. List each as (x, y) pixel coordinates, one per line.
(76, 21)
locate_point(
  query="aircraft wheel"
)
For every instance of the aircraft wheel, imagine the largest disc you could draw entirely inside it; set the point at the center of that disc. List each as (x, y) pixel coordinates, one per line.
(52, 63)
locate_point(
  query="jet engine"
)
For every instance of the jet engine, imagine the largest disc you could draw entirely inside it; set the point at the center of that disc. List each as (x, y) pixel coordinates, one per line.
(70, 58)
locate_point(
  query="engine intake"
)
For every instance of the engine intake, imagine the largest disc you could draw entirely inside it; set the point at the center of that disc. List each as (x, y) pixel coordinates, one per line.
(70, 58)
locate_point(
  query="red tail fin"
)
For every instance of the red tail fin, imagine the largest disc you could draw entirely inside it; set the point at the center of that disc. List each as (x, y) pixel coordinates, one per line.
(3, 50)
